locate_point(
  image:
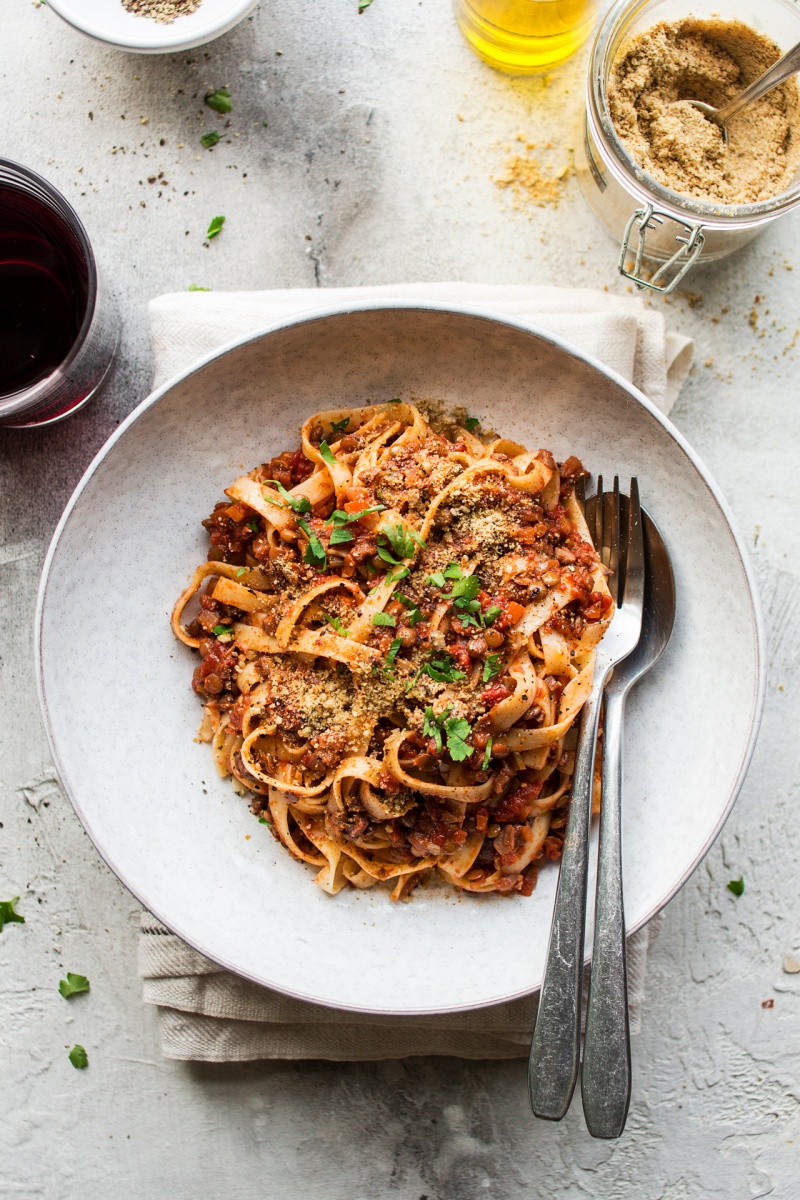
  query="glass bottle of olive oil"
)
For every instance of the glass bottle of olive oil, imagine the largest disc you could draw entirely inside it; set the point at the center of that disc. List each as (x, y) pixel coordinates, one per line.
(525, 36)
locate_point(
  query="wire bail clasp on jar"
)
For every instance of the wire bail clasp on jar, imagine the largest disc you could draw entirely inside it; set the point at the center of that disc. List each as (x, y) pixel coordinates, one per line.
(690, 246)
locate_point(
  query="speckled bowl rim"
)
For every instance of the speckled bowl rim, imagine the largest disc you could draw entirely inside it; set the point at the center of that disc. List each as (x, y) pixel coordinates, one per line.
(485, 314)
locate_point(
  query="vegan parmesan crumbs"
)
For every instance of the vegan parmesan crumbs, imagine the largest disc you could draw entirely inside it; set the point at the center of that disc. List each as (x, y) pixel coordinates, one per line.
(163, 11)
(663, 68)
(527, 180)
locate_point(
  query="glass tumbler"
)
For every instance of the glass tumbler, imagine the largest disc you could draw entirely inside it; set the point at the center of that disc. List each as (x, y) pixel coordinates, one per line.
(525, 36)
(58, 327)
(651, 221)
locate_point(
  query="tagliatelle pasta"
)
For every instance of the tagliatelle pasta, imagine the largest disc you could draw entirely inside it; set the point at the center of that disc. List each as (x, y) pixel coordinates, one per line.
(397, 630)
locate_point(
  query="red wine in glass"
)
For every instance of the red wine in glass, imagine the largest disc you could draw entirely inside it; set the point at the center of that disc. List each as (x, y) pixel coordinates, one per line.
(44, 288)
(57, 334)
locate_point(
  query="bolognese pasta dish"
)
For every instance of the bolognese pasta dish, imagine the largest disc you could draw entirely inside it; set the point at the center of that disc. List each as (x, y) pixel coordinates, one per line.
(396, 627)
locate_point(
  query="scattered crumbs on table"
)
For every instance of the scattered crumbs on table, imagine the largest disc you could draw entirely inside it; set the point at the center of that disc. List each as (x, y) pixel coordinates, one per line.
(770, 1003)
(219, 100)
(163, 11)
(530, 182)
(791, 965)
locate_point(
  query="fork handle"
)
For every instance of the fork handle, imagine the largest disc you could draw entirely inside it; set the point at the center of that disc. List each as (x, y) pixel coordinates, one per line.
(606, 1073)
(555, 1050)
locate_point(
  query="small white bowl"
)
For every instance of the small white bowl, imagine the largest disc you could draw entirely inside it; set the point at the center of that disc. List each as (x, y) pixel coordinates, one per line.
(109, 22)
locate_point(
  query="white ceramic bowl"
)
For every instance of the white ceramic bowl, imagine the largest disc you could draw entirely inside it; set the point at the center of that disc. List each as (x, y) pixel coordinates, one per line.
(121, 716)
(107, 21)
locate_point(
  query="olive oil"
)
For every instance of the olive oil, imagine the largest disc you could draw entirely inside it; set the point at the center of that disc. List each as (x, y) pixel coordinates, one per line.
(525, 36)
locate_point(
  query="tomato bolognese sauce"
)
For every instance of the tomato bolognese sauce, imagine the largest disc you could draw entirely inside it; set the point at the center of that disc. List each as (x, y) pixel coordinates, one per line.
(397, 629)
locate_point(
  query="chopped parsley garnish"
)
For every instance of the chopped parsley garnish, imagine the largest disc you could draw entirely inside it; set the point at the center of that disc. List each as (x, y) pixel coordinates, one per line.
(254, 525)
(401, 541)
(73, 985)
(388, 557)
(441, 670)
(219, 100)
(208, 140)
(195, 287)
(340, 536)
(466, 588)
(314, 553)
(451, 571)
(736, 886)
(491, 667)
(271, 500)
(338, 427)
(471, 424)
(413, 615)
(491, 614)
(264, 821)
(400, 573)
(7, 914)
(396, 399)
(215, 226)
(388, 666)
(383, 618)
(458, 730)
(487, 756)
(338, 517)
(78, 1057)
(327, 454)
(362, 4)
(337, 625)
(222, 630)
(432, 725)
(242, 571)
(298, 503)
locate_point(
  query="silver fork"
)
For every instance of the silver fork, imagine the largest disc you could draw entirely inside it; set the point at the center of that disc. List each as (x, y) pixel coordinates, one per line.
(555, 1050)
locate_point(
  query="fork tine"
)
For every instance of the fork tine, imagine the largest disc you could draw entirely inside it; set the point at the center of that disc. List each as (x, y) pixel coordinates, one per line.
(613, 542)
(634, 565)
(597, 532)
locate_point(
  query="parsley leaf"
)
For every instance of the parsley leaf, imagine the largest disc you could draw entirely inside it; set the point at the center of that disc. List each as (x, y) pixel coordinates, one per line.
(442, 670)
(195, 287)
(458, 730)
(215, 226)
(73, 985)
(7, 914)
(491, 614)
(78, 1057)
(208, 140)
(736, 886)
(437, 579)
(338, 427)
(298, 503)
(314, 553)
(487, 756)
(388, 557)
(220, 100)
(471, 424)
(383, 618)
(467, 588)
(400, 539)
(337, 625)
(242, 571)
(327, 454)
(400, 573)
(339, 536)
(264, 821)
(221, 630)
(362, 4)
(271, 500)
(432, 725)
(254, 525)
(453, 571)
(388, 666)
(338, 517)
(413, 616)
(491, 667)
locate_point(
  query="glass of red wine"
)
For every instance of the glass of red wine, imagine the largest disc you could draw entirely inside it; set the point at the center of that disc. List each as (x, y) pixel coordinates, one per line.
(58, 327)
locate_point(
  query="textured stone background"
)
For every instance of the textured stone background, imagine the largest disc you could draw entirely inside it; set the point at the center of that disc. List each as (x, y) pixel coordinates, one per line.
(375, 166)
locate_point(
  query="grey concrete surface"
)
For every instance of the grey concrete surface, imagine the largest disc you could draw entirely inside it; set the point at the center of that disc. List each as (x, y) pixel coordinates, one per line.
(375, 165)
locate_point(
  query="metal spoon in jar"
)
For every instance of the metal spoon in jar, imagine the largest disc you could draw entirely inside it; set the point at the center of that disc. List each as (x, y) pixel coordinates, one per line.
(777, 73)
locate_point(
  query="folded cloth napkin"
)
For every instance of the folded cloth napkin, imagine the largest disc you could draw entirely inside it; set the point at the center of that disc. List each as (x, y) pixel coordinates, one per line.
(210, 1015)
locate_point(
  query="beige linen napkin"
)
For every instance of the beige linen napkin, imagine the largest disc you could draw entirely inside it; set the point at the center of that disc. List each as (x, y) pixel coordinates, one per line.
(210, 1015)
